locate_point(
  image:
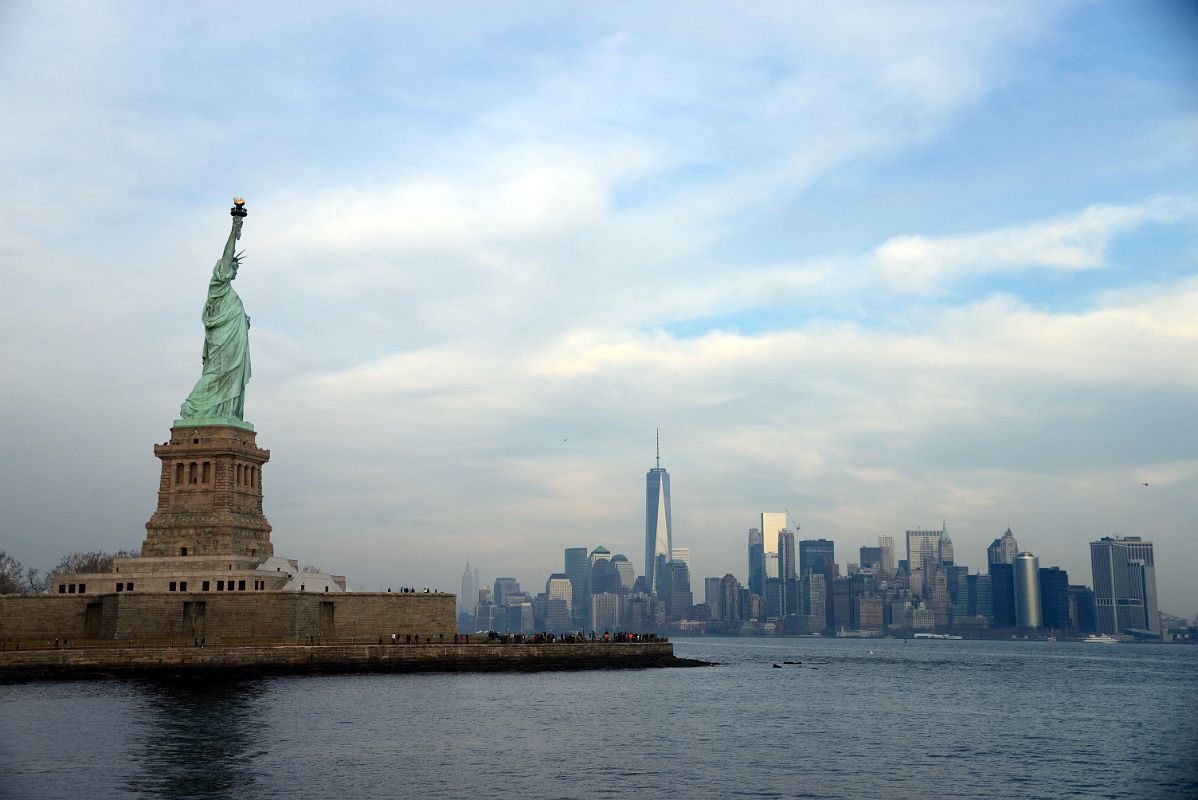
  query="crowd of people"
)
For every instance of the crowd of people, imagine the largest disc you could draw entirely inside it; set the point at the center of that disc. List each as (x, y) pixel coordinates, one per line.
(530, 638)
(572, 638)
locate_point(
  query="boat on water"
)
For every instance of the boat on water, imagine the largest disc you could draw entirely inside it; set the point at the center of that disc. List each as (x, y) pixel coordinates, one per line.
(936, 636)
(1100, 638)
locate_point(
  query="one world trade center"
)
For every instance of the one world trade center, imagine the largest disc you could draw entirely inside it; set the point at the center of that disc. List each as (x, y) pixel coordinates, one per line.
(659, 539)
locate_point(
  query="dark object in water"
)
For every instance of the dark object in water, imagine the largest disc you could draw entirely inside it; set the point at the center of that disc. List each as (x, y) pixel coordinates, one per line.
(777, 666)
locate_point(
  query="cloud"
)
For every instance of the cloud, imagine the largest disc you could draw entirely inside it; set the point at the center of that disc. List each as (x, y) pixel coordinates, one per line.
(966, 419)
(918, 264)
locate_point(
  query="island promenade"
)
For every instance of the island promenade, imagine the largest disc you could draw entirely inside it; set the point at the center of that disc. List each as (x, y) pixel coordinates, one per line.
(183, 658)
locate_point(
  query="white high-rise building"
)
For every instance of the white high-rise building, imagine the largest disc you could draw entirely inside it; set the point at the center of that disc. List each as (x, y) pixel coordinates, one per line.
(886, 544)
(559, 586)
(605, 612)
(922, 547)
(683, 554)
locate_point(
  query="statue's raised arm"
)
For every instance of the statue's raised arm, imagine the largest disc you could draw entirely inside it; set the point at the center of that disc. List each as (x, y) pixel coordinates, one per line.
(226, 268)
(219, 395)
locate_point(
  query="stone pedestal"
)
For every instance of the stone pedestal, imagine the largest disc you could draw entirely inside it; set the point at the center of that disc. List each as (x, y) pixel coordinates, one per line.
(209, 495)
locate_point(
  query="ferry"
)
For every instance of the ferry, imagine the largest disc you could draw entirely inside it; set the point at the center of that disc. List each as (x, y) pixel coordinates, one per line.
(1100, 638)
(936, 636)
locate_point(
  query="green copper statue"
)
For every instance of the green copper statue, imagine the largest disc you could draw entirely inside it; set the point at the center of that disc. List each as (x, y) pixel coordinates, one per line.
(219, 395)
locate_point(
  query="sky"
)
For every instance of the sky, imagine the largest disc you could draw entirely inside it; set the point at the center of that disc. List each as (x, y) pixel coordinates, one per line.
(884, 266)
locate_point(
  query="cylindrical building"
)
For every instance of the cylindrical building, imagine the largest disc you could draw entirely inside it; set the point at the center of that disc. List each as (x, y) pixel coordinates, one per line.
(1027, 591)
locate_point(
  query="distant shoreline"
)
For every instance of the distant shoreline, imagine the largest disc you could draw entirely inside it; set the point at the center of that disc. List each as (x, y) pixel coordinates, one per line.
(766, 637)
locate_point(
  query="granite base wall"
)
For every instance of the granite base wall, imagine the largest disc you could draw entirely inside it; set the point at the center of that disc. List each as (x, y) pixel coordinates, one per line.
(261, 615)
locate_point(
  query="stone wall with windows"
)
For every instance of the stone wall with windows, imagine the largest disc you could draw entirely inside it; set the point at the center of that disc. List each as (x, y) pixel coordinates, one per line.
(221, 617)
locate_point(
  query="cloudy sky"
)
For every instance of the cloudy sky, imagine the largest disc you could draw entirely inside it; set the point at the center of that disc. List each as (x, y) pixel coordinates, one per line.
(885, 266)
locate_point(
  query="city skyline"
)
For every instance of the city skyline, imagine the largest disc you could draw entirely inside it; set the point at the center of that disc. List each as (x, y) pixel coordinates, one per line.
(816, 592)
(885, 267)
(797, 555)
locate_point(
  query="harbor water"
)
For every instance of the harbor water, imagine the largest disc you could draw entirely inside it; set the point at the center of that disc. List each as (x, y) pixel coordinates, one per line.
(856, 718)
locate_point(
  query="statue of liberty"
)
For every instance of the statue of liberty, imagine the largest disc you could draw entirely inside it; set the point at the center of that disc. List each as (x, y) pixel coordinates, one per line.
(219, 395)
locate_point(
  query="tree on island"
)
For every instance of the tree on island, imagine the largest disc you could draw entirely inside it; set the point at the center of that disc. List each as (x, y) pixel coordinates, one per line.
(16, 579)
(12, 574)
(93, 562)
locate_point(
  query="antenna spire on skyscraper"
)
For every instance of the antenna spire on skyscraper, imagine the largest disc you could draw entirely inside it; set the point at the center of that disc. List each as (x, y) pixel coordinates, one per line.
(659, 448)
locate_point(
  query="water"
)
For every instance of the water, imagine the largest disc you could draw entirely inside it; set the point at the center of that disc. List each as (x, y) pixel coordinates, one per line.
(858, 718)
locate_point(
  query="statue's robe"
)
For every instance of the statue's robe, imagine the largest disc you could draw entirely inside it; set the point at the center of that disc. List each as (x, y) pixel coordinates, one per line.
(220, 391)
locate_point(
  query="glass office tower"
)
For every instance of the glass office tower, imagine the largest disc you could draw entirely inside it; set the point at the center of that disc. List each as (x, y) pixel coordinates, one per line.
(659, 537)
(1027, 591)
(1124, 584)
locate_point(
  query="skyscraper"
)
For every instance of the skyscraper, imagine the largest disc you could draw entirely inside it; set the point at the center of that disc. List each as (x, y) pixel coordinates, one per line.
(813, 600)
(605, 612)
(729, 605)
(1081, 609)
(981, 596)
(871, 559)
(1027, 591)
(946, 546)
(682, 554)
(772, 523)
(558, 586)
(625, 570)
(659, 533)
(711, 596)
(886, 544)
(1003, 550)
(787, 573)
(604, 577)
(469, 592)
(503, 588)
(1054, 599)
(774, 598)
(923, 547)
(1002, 588)
(787, 566)
(756, 563)
(676, 588)
(838, 610)
(1124, 584)
(816, 555)
(578, 570)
